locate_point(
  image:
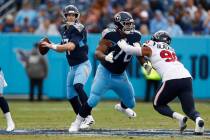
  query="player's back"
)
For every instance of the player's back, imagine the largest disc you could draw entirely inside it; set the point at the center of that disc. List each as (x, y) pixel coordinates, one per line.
(164, 60)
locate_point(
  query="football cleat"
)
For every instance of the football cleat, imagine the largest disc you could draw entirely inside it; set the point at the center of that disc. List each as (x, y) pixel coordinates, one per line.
(10, 126)
(75, 126)
(88, 122)
(129, 112)
(182, 121)
(182, 124)
(199, 126)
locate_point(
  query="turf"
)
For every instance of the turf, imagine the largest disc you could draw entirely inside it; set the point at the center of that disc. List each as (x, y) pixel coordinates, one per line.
(59, 115)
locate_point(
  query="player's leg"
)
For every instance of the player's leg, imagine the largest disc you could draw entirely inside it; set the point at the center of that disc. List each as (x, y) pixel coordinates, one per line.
(82, 74)
(40, 89)
(148, 90)
(31, 94)
(166, 94)
(99, 87)
(4, 105)
(188, 106)
(71, 93)
(124, 89)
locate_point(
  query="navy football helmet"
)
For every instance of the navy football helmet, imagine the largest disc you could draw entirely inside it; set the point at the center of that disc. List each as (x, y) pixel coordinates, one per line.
(161, 36)
(71, 9)
(124, 22)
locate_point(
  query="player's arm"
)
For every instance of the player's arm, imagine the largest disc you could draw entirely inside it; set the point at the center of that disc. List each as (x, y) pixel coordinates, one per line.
(136, 49)
(104, 44)
(70, 45)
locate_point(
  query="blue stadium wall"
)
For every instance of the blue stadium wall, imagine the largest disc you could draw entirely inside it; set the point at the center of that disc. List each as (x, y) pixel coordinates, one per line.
(194, 52)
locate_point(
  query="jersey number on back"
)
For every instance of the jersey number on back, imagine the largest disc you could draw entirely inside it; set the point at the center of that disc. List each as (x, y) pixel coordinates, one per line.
(168, 56)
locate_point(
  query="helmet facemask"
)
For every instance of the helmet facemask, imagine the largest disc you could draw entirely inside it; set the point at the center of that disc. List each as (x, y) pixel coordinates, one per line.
(128, 26)
(70, 11)
(124, 21)
(70, 21)
(161, 36)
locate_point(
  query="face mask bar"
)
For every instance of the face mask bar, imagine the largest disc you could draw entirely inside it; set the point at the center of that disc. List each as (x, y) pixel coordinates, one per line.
(128, 27)
(64, 15)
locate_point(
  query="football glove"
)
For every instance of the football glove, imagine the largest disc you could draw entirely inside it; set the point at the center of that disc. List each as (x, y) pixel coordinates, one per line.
(109, 57)
(147, 67)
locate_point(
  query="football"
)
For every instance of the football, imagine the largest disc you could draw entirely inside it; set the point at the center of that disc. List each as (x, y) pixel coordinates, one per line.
(42, 49)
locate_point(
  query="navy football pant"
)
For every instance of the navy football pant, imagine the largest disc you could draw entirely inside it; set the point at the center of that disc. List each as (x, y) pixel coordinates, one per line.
(169, 90)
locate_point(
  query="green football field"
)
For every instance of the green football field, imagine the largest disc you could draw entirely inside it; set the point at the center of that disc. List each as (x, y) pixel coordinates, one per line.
(58, 115)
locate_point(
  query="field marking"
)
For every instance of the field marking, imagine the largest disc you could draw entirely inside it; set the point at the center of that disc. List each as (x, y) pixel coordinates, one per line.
(107, 132)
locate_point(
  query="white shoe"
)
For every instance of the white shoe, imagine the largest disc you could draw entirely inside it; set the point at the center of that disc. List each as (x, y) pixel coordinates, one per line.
(10, 126)
(199, 126)
(129, 112)
(182, 121)
(75, 126)
(182, 124)
(87, 123)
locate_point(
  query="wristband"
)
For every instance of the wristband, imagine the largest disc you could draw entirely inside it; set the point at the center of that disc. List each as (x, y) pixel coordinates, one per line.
(54, 46)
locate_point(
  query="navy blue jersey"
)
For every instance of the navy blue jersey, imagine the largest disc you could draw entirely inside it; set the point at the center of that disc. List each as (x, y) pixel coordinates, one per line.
(77, 34)
(121, 59)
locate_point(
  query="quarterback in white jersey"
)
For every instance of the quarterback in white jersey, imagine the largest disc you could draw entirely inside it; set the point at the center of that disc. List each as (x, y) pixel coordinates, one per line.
(4, 105)
(177, 81)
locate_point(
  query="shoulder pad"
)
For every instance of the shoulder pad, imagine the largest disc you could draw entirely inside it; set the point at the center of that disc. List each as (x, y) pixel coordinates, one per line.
(63, 26)
(79, 26)
(108, 30)
(135, 31)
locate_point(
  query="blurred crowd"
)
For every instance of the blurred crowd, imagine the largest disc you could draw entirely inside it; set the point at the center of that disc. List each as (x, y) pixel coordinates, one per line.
(178, 17)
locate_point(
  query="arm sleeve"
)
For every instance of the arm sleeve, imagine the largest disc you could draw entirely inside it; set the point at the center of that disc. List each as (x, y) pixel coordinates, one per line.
(135, 49)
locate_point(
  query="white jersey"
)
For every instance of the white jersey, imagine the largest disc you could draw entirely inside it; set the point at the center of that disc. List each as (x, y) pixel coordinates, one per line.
(165, 62)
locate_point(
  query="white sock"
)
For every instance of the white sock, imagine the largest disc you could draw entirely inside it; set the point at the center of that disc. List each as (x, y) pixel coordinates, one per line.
(178, 116)
(79, 119)
(8, 117)
(197, 119)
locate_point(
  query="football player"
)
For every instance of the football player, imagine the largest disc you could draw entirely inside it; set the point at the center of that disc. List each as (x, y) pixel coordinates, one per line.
(111, 72)
(74, 43)
(4, 105)
(177, 81)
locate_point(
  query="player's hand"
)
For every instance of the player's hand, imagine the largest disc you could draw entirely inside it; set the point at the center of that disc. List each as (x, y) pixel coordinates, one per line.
(43, 45)
(109, 57)
(147, 67)
(122, 44)
(46, 44)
